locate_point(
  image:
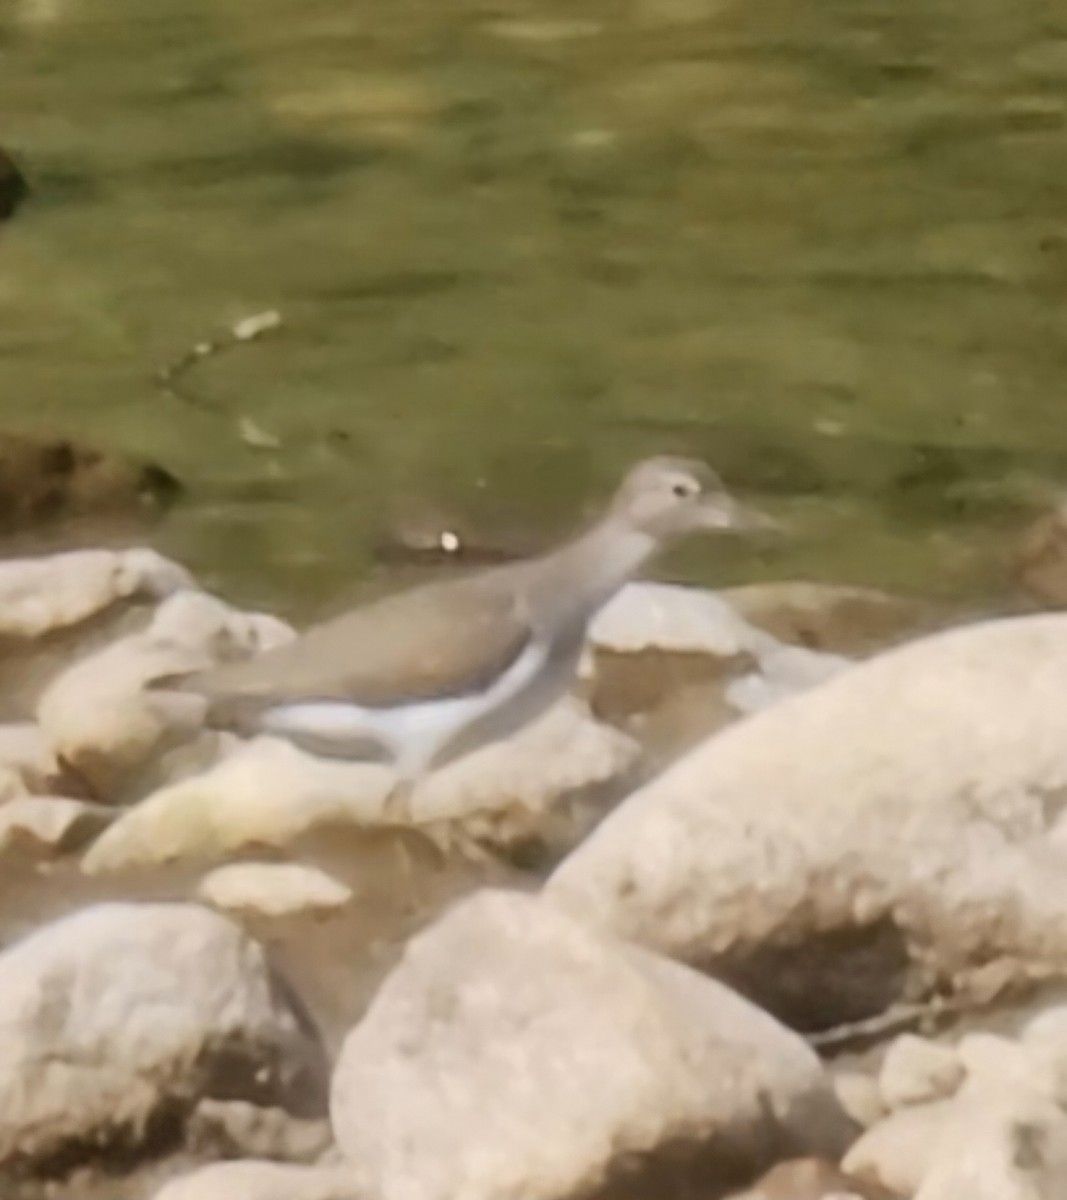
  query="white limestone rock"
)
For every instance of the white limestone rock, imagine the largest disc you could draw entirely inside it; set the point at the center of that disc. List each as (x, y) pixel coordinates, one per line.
(671, 620)
(897, 813)
(1002, 1136)
(916, 1070)
(42, 595)
(268, 793)
(781, 672)
(99, 720)
(514, 1053)
(674, 619)
(273, 890)
(120, 1011)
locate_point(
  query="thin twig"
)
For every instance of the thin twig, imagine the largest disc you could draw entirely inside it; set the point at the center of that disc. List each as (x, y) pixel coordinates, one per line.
(899, 1019)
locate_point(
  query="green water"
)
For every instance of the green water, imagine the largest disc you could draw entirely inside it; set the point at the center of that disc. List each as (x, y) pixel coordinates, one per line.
(516, 244)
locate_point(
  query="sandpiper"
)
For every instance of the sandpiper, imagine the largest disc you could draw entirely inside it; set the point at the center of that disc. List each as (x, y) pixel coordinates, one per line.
(424, 676)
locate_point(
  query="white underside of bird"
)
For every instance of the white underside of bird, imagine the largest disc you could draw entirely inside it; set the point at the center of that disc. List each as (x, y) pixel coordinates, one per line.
(415, 736)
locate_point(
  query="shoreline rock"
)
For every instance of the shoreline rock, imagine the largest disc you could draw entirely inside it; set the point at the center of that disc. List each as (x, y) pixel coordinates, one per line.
(606, 1066)
(880, 836)
(120, 1016)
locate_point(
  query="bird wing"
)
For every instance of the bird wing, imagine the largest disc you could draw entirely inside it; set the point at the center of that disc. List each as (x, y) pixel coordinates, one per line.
(446, 639)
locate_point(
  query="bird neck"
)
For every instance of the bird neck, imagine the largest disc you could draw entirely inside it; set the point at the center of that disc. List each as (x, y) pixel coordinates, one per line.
(591, 569)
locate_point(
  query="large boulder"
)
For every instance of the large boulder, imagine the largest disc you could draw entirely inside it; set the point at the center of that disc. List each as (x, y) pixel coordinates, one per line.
(516, 1055)
(119, 1018)
(880, 836)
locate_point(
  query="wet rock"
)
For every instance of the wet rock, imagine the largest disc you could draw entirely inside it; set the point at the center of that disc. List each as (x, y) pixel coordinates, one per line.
(13, 187)
(117, 1019)
(823, 616)
(267, 793)
(916, 1070)
(273, 890)
(811, 1179)
(605, 1065)
(876, 837)
(50, 825)
(253, 1179)
(102, 724)
(45, 480)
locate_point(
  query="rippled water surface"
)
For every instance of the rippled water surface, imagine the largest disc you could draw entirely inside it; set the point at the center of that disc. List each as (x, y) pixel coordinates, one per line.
(517, 244)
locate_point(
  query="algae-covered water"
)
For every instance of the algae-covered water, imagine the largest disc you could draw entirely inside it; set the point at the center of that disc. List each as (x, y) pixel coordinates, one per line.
(517, 243)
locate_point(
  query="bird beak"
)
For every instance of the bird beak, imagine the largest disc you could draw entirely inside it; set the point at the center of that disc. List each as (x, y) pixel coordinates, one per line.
(724, 512)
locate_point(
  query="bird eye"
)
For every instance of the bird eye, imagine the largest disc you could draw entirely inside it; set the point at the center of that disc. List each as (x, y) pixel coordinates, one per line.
(681, 490)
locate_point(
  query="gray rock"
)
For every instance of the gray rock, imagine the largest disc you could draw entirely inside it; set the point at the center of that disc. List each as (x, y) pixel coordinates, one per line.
(123, 1015)
(875, 837)
(516, 1055)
